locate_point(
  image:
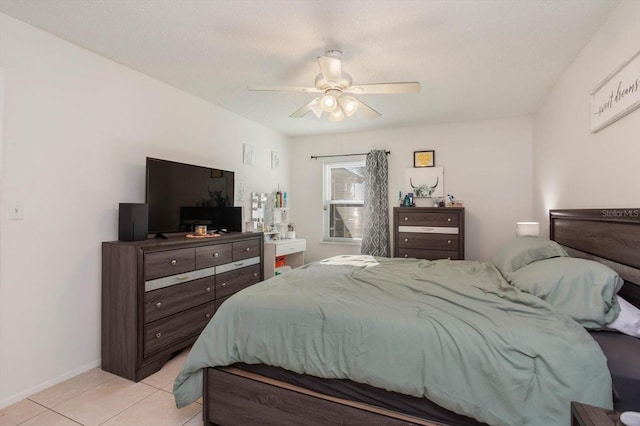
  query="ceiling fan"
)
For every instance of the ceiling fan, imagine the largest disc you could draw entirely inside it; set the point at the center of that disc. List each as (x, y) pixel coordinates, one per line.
(337, 89)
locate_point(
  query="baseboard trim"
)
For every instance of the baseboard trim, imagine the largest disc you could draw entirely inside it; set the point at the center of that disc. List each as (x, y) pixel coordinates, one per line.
(45, 385)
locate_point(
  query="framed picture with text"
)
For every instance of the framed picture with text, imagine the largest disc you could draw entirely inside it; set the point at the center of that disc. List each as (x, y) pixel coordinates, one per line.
(617, 95)
(424, 158)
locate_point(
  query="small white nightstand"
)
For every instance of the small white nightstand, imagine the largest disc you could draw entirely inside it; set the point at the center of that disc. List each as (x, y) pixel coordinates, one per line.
(292, 249)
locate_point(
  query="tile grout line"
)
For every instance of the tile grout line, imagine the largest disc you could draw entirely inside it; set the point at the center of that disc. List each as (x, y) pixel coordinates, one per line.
(199, 413)
(76, 421)
(46, 410)
(73, 396)
(52, 408)
(134, 404)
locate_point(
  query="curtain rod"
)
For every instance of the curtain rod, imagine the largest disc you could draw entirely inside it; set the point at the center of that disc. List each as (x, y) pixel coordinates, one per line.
(314, 157)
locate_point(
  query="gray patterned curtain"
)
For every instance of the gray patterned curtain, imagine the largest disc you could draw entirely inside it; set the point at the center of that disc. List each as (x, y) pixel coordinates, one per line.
(375, 238)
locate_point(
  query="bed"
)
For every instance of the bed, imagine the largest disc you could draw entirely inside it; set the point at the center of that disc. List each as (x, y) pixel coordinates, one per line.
(250, 392)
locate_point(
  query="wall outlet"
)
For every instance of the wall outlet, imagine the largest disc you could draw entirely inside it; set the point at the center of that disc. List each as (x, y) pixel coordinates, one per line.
(16, 210)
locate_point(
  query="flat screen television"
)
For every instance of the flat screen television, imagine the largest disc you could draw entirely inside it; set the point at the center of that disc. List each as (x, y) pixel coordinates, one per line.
(181, 196)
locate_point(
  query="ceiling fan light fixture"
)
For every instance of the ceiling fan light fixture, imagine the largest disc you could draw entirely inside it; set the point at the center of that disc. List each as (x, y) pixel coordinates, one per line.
(335, 86)
(328, 103)
(349, 104)
(337, 114)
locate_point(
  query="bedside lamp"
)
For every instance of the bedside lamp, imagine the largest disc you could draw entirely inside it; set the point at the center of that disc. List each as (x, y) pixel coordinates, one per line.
(527, 228)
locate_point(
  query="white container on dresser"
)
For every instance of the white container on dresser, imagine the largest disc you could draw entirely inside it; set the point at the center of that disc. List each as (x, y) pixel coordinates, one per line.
(158, 295)
(292, 249)
(429, 232)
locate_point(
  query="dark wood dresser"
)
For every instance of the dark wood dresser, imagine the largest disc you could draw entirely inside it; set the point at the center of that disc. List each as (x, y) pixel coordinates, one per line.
(428, 232)
(158, 295)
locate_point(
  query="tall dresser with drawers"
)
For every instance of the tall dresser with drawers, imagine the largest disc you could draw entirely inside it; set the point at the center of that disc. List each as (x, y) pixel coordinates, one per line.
(158, 295)
(429, 232)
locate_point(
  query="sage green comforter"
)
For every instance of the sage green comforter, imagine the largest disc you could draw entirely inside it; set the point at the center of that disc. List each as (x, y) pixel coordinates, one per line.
(452, 331)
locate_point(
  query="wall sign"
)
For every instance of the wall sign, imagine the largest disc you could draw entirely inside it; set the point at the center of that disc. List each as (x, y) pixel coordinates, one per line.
(617, 95)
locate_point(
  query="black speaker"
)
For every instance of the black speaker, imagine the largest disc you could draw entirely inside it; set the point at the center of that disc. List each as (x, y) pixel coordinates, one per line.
(133, 222)
(234, 219)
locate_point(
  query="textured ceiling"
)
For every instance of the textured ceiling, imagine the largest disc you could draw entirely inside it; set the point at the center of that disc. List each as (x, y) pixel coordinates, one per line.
(475, 59)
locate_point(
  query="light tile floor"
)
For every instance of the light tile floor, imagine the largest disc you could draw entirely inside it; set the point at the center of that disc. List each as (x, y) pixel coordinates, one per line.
(100, 398)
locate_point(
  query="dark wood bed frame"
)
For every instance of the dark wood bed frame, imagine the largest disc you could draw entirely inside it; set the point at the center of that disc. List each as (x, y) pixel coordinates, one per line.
(237, 397)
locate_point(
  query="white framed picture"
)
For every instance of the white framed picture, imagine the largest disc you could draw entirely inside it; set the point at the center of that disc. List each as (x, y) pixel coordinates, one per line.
(617, 95)
(247, 154)
(239, 192)
(275, 160)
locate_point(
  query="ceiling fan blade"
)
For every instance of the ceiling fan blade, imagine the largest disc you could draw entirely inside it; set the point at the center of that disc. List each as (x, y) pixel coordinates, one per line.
(384, 88)
(331, 68)
(314, 106)
(283, 89)
(366, 110)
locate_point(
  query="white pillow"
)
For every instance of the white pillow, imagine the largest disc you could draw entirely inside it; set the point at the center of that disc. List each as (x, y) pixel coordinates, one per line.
(628, 321)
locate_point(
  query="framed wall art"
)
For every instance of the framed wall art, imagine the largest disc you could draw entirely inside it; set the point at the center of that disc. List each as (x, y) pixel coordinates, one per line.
(247, 154)
(424, 158)
(425, 183)
(275, 160)
(617, 95)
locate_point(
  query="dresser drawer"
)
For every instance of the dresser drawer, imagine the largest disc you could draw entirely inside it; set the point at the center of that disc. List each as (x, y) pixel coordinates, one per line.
(213, 255)
(428, 254)
(171, 300)
(176, 328)
(428, 229)
(170, 262)
(432, 241)
(432, 218)
(246, 249)
(295, 246)
(233, 281)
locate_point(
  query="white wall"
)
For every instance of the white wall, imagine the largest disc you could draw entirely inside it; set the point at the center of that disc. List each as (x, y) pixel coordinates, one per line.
(572, 167)
(487, 164)
(76, 130)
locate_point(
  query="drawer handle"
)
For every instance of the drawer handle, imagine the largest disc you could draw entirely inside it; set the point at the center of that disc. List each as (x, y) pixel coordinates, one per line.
(158, 335)
(406, 239)
(247, 249)
(406, 255)
(216, 254)
(448, 219)
(255, 274)
(208, 289)
(448, 258)
(406, 218)
(207, 315)
(223, 285)
(173, 262)
(158, 305)
(449, 242)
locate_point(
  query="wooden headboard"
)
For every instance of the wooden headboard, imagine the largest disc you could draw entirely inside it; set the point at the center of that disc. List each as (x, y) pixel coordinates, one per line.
(608, 236)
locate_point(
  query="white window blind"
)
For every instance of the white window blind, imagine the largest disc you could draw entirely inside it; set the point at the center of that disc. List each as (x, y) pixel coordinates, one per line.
(343, 201)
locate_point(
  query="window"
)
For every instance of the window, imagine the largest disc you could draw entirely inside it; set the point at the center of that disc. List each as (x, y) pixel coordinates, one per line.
(343, 201)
